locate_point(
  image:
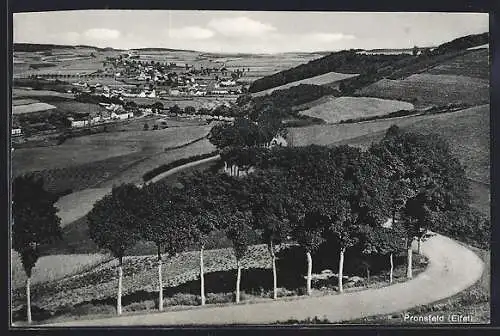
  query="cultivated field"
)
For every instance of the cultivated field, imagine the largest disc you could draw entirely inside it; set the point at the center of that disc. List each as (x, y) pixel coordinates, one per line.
(19, 102)
(53, 267)
(97, 147)
(334, 110)
(425, 90)
(27, 93)
(324, 79)
(31, 108)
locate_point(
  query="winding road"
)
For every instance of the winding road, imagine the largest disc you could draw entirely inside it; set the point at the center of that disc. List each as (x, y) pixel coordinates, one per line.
(78, 204)
(452, 268)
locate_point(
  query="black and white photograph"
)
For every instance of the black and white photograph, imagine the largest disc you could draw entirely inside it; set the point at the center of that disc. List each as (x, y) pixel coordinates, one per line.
(174, 168)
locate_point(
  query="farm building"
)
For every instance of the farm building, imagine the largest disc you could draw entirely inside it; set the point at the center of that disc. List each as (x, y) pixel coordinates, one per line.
(122, 116)
(77, 123)
(279, 140)
(16, 131)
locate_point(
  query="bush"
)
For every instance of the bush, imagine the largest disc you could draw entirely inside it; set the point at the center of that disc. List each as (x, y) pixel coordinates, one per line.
(138, 306)
(182, 299)
(214, 298)
(91, 309)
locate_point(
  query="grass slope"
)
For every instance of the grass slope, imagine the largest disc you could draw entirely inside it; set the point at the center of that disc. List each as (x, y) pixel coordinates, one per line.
(474, 64)
(53, 267)
(324, 79)
(334, 110)
(427, 89)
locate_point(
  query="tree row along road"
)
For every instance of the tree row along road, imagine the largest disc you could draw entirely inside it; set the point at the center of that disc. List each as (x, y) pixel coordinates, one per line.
(452, 268)
(76, 205)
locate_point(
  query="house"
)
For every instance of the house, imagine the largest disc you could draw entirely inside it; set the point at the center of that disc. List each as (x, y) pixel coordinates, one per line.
(220, 92)
(122, 116)
(175, 92)
(227, 83)
(16, 131)
(77, 123)
(278, 140)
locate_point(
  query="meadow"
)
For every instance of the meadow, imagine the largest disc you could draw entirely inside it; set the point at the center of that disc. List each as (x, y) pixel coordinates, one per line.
(336, 109)
(323, 79)
(29, 93)
(427, 90)
(473, 64)
(53, 267)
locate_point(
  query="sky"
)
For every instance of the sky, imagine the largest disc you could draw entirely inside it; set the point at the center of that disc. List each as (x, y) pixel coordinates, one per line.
(244, 32)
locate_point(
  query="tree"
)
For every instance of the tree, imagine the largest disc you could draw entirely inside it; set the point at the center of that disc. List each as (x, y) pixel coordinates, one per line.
(206, 197)
(113, 225)
(157, 106)
(238, 232)
(146, 126)
(308, 232)
(34, 224)
(189, 110)
(162, 215)
(385, 241)
(415, 51)
(428, 181)
(268, 209)
(175, 109)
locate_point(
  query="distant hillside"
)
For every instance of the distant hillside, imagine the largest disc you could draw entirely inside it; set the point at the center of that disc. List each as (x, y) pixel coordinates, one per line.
(347, 61)
(34, 47)
(30, 47)
(162, 49)
(371, 67)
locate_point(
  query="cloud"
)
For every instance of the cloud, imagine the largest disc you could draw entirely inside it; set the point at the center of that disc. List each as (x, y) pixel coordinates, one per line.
(329, 37)
(240, 26)
(191, 33)
(101, 34)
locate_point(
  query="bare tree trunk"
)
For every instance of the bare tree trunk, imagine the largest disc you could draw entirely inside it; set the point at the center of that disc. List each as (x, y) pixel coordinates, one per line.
(309, 272)
(418, 248)
(28, 299)
(202, 278)
(275, 278)
(120, 278)
(160, 282)
(238, 281)
(341, 269)
(368, 273)
(392, 268)
(409, 269)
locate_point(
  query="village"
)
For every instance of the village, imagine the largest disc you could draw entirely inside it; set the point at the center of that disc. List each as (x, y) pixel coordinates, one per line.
(137, 89)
